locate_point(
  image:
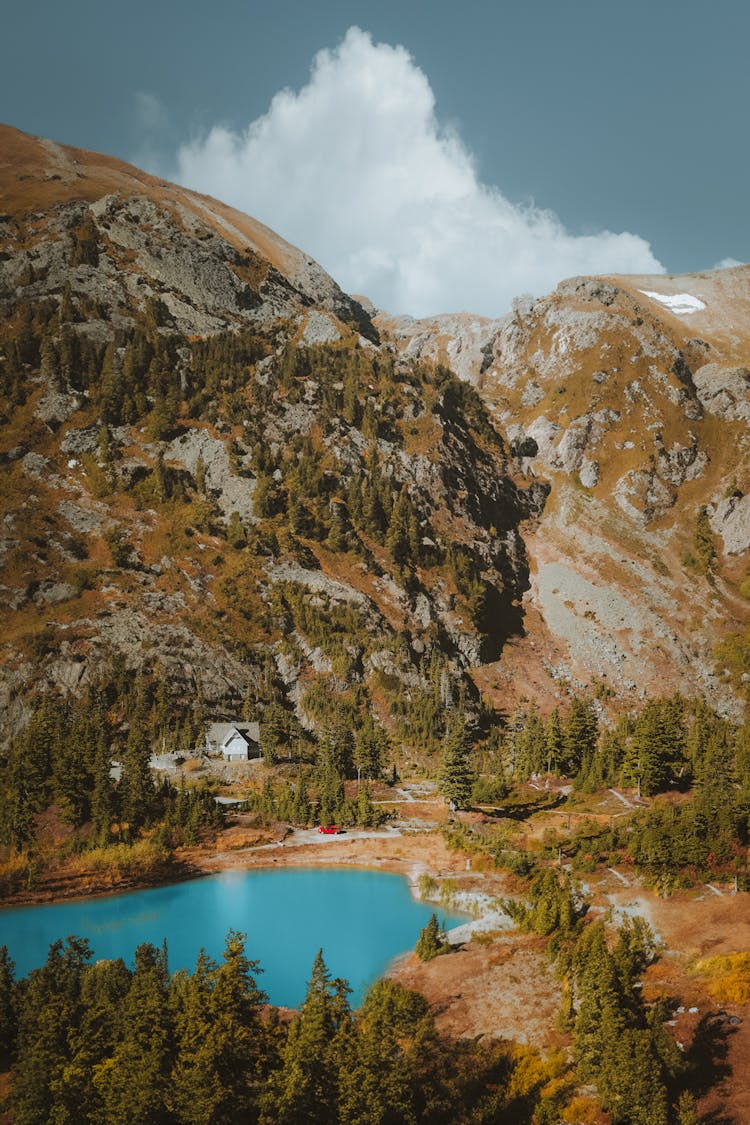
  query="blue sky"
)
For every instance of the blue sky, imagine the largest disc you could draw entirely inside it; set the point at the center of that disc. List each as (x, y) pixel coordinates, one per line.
(489, 156)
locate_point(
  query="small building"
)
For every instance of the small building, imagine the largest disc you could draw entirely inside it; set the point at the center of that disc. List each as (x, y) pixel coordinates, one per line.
(236, 742)
(235, 803)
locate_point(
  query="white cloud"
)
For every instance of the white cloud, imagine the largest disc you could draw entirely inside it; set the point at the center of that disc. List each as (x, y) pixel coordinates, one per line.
(356, 169)
(727, 264)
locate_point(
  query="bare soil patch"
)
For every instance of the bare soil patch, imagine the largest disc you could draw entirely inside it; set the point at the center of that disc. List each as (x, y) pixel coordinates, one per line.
(505, 989)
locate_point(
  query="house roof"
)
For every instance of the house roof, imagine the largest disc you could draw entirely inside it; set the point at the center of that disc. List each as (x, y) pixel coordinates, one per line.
(220, 732)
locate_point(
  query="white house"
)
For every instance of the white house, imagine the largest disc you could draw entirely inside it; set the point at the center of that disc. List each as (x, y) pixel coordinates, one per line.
(236, 742)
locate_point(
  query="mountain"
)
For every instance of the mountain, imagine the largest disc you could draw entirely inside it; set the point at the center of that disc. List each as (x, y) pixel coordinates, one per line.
(211, 266)
(209, 458)
(631, 397)
(212, 454)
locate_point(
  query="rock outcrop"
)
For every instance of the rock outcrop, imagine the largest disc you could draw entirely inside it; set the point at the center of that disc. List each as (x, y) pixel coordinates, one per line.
(327, 492)
(631, 397)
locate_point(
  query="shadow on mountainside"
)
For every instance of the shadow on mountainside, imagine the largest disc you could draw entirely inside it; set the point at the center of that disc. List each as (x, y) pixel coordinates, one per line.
(707, 1062)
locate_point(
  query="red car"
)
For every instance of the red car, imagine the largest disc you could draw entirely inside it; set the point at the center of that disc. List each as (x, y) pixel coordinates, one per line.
(330, 829)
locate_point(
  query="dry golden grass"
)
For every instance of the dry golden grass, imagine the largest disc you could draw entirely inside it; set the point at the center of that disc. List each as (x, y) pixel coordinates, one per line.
(28, 164)
(118, 861)
(727, 978)
(422, 435)
(14, 871)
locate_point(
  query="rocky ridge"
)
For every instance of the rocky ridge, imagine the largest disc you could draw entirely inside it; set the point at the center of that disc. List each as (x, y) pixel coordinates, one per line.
(631, 396)
(559, 546)
(207, 454)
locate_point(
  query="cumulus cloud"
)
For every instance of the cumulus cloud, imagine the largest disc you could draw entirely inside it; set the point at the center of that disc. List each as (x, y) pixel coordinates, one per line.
(727, 264)
(356, 169)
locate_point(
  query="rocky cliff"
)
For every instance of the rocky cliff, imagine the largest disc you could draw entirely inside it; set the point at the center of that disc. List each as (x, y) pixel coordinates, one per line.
(208, 457)
(631, 397)
(211, 453)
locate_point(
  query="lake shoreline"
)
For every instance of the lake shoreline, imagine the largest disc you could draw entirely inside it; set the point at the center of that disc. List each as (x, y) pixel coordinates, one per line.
(391, 851)
(71, 888)
(362, 919)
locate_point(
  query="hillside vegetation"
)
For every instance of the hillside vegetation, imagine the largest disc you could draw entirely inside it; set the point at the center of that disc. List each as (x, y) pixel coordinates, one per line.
(231, 491)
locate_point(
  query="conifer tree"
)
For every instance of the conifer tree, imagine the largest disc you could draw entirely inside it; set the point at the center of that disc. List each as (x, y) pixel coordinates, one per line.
(49, 1010)
(399, 539)
(581, 733)
(71, 778)
(104, 987)
(372, 748)
(429, 944)
(200, 475)
(7, 1008)
(222, 1055)
(301, 810)
(133, 1082)
(337, 541)
(236, 534)
(657, 747)
(457, 774)
(531, 745)
(365, 812)
(383, 1064)
(304, 1090)
(554, 743)
(137, 784)
(49, 359)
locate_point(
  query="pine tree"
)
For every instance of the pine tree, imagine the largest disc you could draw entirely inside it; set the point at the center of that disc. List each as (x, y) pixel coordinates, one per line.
(236, 534)
(133, 1082)
(337, 540)
(366, 814)
(687, 1111)
(102, 797)
(71, 777)
(630, 1078)
(200, 475)
(301, 810)
(531, 745)
(66, 312)
(137, 784)
(554, 743)
(600, 1004)
(372, 748)
(304, 1090)
(49, 359)
(223, 1050)
(657, 748)
(112, 388)
(580, 739)
(383, 1062)
(398, 540)
(456, 774)
(161, 480)
(49, 1011)
(429, 943)
(104, 988)
(337, 749)
(7, 1008)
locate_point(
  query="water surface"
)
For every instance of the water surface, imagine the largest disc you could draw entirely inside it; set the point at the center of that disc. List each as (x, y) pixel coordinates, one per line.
(361, 919)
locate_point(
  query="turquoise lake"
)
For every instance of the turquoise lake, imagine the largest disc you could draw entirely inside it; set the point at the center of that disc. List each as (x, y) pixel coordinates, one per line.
(361, 919)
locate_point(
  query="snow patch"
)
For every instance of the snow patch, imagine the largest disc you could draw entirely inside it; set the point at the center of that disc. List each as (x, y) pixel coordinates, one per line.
(680, 303)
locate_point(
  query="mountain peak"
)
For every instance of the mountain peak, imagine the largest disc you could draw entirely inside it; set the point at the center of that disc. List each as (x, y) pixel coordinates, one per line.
(46, 185)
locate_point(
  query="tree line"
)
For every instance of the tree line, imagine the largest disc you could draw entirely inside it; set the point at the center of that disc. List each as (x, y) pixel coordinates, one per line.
(104, 1043)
